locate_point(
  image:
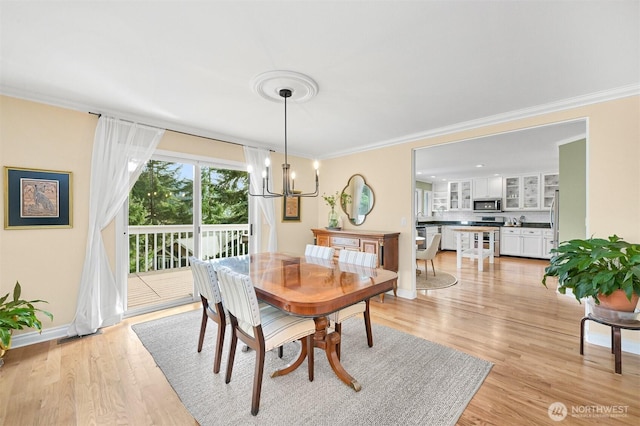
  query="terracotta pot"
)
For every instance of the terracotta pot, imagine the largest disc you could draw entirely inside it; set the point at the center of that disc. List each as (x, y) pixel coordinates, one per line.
(618, 301)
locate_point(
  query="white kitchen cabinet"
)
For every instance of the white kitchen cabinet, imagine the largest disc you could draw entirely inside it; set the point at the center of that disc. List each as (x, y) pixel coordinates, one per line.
(525, 242)
(430, 232)
(547, 243)
(487, 188)
(449, 238)
(440, 197)
(531, 242)
(550, 183)
(460, 195)
(510, 241)
(521, 192)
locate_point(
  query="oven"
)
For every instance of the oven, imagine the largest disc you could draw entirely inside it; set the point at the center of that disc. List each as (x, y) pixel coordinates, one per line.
(486, 243)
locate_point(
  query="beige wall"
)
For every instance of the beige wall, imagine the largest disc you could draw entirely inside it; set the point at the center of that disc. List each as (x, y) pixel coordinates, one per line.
(48, 263)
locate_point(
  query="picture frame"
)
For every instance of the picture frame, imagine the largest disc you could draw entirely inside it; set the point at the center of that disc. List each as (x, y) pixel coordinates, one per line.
(37, 198)
(291, 209)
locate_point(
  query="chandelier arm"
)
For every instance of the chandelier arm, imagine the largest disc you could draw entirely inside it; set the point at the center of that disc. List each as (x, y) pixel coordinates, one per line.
(287, 189)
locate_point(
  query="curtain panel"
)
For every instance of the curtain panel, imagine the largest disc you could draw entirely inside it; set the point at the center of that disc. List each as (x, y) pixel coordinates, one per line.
(255, 160)
(120, 151)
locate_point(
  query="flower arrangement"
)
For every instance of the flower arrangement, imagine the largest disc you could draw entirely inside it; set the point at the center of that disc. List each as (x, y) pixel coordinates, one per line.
(331, 200)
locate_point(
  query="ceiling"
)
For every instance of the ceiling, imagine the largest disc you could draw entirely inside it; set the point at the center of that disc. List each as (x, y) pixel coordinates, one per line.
(387, 71)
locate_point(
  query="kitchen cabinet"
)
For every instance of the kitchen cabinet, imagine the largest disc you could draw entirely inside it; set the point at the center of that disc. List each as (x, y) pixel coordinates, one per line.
(431, 231)
(440, 197)
(448, 241)
(547, 243)
(487, 188)
(521, 192)
(550, 183)
(526, 242)
(460, 195)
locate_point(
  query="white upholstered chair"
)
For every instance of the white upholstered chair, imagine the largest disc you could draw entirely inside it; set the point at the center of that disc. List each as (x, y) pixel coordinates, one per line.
(206, 283)
(365, 261)
(262, 329)
(429, 253)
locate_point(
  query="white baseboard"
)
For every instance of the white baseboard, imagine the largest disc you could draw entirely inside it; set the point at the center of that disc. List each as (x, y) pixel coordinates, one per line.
(33, 337)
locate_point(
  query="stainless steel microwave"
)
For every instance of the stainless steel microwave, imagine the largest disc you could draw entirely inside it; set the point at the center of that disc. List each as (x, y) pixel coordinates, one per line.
(487, 205)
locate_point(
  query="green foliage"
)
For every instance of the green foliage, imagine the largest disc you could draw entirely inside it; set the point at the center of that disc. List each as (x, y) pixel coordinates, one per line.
(596, 266)
(161, 196)
(16, 314)
(224, 196)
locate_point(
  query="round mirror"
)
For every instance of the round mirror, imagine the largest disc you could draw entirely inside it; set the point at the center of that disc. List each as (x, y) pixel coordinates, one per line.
(357, 200)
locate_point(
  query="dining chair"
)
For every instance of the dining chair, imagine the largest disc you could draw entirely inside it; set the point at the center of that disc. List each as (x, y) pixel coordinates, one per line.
(321, 252)
(206, 283)
(429, 253)
(262, 329)
(364, 260)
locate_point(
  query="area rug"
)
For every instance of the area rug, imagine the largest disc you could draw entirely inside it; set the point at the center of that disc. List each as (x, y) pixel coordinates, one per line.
(429, 282)
(405, 380)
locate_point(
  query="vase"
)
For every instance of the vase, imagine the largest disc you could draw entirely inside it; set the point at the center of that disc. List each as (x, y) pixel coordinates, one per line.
(617, 301)
(333, 219)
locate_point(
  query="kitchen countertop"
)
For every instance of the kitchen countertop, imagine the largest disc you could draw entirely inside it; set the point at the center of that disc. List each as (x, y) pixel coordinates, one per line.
(542, 225)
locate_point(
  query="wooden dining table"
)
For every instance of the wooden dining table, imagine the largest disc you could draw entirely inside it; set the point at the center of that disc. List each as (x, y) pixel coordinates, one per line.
(312, 288)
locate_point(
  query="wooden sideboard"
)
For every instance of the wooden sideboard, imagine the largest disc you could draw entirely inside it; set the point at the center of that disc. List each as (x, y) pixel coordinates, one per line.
(383, 244)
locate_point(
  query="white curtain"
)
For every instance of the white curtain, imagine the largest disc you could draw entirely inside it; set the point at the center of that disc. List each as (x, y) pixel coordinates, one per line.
(120, 151)
(255, 160)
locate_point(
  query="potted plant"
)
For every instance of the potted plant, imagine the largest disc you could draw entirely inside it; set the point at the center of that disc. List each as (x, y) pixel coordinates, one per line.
(16, 314)
(331, 201)
(599, 268)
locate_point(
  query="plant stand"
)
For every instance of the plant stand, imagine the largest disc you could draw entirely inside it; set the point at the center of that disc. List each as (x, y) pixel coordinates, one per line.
(616, 341)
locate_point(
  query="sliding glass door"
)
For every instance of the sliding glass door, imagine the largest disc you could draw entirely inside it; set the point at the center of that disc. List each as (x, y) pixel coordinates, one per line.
(177, 209)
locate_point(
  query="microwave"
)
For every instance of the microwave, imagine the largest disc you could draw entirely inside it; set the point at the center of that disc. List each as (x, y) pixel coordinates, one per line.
(487, 205)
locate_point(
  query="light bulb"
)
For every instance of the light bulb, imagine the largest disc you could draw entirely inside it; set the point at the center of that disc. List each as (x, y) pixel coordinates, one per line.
(267, 162)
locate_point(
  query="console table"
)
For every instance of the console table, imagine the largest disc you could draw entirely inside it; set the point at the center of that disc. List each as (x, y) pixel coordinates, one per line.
(383, 244)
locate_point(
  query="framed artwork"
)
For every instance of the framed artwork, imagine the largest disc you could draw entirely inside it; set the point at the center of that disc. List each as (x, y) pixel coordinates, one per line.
(291, 209)
(35, 198)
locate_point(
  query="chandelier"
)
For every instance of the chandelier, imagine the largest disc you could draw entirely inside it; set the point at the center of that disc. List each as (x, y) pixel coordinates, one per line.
(288, 176)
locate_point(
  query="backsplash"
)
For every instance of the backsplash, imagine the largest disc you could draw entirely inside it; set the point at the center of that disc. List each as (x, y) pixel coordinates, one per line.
(457, 216)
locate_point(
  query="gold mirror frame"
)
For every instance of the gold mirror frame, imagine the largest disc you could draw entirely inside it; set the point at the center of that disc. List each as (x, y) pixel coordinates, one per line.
(360, 199)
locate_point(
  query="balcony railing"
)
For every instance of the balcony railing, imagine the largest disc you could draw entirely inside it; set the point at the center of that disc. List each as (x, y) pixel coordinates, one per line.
(162, 247)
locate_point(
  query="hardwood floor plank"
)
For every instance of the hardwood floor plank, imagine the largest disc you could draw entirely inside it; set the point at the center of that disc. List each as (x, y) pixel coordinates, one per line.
(503, 315)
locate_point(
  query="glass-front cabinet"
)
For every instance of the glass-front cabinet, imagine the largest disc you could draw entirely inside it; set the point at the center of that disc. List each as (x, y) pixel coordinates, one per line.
(550, 183)
(522, 192)
(460, 195)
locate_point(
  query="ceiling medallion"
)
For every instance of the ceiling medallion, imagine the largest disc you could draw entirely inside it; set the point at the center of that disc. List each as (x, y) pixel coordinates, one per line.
(268, 85)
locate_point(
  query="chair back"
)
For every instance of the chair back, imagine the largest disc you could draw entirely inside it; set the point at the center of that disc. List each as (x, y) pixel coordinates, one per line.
(240, 298)
(205, 280)
(320, 252)
(359, 258)
(430, 252)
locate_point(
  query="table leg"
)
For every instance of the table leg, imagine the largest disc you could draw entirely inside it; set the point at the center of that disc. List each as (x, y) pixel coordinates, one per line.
(329, 342)
(459, 250)
(295, 364)
(480, 248)
(491, 246)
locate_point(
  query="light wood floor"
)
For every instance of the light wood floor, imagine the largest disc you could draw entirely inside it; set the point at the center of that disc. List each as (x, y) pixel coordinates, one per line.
(505, 316)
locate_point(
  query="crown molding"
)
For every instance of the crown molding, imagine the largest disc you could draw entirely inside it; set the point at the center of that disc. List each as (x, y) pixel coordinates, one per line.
(562, 105)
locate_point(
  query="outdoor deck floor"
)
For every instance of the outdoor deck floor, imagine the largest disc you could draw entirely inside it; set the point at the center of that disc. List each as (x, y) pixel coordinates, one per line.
(150, 288)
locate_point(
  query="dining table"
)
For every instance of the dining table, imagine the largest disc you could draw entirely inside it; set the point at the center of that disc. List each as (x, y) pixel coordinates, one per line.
(314, 288)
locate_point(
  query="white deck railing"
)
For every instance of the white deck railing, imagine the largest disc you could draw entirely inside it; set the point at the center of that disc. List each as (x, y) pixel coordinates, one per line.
(161, 247)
